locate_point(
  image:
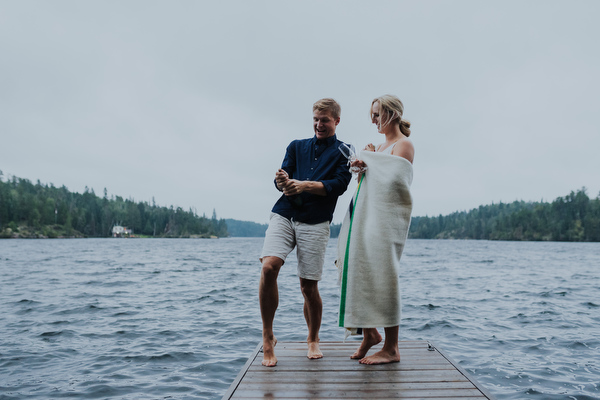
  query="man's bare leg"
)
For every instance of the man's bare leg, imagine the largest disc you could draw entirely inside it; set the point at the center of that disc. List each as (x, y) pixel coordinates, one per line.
(313, 311)
(389, 353)
(268, 295)
(371, 337)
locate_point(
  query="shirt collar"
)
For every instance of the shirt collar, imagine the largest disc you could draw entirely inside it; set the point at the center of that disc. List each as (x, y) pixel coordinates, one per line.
(327, 141)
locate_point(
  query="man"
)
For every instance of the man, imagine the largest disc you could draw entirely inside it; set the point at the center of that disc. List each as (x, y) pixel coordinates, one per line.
(313, 175)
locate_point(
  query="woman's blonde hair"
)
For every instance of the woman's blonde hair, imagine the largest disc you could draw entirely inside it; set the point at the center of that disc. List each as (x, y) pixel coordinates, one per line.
(391, 110)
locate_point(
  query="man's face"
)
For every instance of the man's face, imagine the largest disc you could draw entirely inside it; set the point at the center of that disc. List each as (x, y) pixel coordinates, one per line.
(324, 124)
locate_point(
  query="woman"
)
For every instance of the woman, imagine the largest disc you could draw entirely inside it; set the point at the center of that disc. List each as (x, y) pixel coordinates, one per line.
(373, 234)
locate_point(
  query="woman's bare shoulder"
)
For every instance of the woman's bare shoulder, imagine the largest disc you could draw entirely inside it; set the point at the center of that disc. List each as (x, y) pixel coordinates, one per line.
(405, 149)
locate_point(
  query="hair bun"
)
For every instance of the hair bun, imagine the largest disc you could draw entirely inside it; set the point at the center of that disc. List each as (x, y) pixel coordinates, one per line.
(405, 127)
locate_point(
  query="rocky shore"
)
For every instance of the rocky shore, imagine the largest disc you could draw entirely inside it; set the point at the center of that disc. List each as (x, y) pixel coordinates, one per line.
(43, 232)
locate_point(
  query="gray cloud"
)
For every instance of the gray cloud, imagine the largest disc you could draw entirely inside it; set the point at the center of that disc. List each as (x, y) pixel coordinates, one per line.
(193, 102)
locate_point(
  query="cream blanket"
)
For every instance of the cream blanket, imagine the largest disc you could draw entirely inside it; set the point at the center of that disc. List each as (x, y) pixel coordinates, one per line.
(371, 242)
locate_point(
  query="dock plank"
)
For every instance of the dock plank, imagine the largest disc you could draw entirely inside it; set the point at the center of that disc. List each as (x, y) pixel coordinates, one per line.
(424, 372)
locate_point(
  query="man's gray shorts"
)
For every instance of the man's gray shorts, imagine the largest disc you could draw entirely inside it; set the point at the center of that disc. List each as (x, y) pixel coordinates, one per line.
(310, 241)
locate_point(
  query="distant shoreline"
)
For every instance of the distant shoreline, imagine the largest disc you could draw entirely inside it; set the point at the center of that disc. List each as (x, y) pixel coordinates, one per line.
(59, 232)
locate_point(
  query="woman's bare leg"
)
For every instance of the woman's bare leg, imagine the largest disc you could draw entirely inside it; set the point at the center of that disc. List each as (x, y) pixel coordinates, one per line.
(389, 353)
(371, 337)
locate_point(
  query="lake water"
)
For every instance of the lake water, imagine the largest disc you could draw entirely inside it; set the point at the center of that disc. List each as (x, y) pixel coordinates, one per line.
(177, 318)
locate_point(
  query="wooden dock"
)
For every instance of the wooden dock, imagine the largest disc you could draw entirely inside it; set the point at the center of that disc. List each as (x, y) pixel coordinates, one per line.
(424, 372)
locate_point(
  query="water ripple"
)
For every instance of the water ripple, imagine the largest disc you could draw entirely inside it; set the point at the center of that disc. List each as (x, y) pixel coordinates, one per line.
(176, 319)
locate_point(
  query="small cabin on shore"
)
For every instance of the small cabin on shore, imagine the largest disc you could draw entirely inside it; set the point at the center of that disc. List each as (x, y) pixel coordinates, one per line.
(119, 231)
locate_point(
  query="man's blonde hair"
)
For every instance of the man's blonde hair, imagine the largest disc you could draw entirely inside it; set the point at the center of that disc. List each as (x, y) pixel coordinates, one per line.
(328, 105)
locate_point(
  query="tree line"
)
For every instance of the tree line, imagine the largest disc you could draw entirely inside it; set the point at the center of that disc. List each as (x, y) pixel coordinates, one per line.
(253, 229)
(39, 210)
(48, 211)
(573, 218)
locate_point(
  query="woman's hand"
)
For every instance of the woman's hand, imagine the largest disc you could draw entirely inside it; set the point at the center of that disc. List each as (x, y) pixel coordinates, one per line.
(359, 166)
(369, 147)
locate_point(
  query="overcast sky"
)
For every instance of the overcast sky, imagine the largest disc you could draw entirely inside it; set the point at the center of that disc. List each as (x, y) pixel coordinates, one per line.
(194, 102)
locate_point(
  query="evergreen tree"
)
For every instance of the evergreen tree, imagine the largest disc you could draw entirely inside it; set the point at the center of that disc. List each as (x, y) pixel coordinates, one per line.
(45, 208)
(574, 217)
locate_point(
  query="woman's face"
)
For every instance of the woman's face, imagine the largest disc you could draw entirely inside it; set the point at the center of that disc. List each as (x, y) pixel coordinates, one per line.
(375, 117)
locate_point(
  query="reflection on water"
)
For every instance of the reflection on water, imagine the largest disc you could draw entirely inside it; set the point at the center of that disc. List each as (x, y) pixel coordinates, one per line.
(177, 318)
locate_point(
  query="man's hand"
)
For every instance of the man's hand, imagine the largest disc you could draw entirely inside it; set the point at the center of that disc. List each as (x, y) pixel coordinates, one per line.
(281, 179)
(293, 187)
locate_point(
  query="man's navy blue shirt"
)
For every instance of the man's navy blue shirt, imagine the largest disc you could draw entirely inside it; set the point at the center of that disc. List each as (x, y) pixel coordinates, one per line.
(314, 160)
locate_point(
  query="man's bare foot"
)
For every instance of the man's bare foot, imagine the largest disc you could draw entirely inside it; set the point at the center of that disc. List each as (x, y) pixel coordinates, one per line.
(314, 351)
(367, 342)
(381, 357)
(269, 359)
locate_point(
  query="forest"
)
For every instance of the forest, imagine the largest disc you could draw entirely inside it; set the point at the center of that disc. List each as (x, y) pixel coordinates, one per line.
(254, 229)
(245, 228)
(572, 218)
(41, 210)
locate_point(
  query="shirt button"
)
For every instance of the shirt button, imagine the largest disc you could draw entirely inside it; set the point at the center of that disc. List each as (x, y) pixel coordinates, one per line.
(315, 158)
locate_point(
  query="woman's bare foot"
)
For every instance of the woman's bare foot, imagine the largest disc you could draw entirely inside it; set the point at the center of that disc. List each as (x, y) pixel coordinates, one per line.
(269, 359)
(382, 357)
(314, 351)
(370, 339)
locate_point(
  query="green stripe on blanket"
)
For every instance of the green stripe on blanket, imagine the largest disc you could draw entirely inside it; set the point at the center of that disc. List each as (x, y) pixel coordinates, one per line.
(345, 269)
